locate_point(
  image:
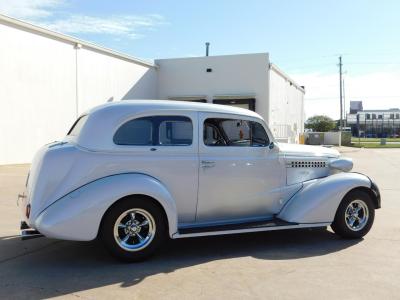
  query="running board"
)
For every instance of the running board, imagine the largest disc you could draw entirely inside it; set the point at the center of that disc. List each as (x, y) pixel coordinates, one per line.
(270, 225)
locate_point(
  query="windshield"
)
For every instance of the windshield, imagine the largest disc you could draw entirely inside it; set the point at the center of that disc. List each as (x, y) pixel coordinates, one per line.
(78, 125)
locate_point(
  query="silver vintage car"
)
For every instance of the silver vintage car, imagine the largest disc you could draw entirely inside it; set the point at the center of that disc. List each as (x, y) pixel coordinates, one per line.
(133, 173)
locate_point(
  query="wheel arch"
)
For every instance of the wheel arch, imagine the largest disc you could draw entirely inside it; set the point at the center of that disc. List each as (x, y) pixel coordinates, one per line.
(374, 197)
(78, 215)
(319, 199)
(132, 198)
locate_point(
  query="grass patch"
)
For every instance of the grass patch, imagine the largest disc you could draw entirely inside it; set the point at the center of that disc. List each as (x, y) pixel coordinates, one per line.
(355, 140)
(374, 145)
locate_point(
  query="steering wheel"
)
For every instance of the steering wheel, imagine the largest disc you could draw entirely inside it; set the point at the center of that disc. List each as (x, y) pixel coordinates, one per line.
(220, 141)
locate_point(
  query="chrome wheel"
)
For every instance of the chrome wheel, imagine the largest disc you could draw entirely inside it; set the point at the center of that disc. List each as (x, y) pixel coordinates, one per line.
(356, 215)
(134, 229)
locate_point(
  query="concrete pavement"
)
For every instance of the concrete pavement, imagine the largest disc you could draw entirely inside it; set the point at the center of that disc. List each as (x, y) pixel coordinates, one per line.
(302, 264)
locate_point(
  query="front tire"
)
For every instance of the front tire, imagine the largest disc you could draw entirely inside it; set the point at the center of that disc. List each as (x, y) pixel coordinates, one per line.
(133, 229)
(355, 215)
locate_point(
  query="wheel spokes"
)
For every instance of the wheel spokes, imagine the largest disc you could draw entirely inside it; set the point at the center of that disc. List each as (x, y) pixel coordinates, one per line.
(139, 236)
(144, 223)
(126, 238)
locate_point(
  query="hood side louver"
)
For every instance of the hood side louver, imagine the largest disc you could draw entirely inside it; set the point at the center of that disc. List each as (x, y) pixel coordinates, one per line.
(306, 164)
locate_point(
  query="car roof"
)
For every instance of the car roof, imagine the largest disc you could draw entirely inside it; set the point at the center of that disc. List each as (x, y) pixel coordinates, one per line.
(135, 106)
(104, 120)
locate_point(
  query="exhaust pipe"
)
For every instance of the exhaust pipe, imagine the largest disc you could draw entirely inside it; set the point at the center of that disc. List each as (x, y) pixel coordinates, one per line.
(28, 233)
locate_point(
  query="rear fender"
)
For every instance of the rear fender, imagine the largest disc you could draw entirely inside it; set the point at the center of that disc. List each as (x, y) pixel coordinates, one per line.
(319, 199)
(77, 215)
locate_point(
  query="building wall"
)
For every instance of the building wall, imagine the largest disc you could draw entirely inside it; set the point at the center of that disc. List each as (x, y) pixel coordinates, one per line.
(47, 80)
(244, 75)
(40, 79)
(286, 106)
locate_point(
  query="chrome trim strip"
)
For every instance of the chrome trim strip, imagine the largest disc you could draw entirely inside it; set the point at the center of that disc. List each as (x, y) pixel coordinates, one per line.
(209, 233)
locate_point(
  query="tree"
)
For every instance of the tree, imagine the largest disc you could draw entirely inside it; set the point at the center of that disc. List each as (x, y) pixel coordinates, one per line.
(320, 123)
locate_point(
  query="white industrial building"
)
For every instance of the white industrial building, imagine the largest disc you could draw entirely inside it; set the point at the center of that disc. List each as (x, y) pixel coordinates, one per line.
(47, 79)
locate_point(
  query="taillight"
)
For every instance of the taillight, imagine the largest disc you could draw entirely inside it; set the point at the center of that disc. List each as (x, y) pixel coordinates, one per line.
(28, 210)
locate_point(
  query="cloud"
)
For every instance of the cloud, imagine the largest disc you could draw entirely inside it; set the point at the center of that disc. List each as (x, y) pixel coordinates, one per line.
(118, 25)
(49, 14)
(29, 9)
(377, 90)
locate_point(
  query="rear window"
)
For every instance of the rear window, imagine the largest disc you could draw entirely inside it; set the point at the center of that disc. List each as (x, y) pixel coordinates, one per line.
(78, 125)
(156, 131)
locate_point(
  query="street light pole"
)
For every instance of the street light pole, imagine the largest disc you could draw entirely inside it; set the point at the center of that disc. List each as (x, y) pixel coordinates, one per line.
(340, 92)
(341, 103)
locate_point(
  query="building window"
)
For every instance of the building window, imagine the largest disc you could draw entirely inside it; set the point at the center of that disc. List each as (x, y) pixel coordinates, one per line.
(380, 116)
(156, 131)
(373, 116)
(391, 116)
(397, 116)
(368, 116)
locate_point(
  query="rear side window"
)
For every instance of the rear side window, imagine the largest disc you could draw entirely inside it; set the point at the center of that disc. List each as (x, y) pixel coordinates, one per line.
(156, 131)
(135, 132)
(78, 125)
(234, 132)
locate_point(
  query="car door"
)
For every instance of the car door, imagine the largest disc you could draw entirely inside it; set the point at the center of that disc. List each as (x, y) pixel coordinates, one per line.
(240, 176)
(164, 145)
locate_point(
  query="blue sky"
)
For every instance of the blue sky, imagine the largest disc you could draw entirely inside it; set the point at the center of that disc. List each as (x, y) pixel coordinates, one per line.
(304, 38)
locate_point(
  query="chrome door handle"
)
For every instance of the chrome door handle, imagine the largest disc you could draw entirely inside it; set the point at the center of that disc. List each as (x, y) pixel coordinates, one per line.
(207, 163)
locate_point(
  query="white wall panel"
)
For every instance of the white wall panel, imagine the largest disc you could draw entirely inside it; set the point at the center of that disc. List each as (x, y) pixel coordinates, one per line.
(37, 92)
(231, 74)
(286, 106)
(40, 79)
(103, 78)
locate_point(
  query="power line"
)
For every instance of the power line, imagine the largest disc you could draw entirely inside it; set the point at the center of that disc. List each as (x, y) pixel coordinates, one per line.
(358, 97)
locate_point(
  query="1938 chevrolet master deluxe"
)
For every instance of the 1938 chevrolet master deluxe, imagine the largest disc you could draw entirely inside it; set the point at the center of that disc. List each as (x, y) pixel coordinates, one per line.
(135, 172)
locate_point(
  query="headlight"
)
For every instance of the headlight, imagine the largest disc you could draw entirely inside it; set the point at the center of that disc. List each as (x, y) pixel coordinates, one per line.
(343, 164)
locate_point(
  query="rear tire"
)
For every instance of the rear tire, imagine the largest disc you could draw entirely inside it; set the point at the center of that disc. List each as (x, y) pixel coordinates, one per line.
(133, 229)
(354, 216)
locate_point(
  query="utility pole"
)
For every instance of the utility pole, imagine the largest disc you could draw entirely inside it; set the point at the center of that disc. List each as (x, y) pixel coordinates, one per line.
(344, 105)
(341, 103)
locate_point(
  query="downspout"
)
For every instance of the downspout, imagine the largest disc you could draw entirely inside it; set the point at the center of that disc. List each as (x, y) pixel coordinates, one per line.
(77, 47)
(269, 94)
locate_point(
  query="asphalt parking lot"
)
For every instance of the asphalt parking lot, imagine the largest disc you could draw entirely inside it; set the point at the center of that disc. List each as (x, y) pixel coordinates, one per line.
(305, 264)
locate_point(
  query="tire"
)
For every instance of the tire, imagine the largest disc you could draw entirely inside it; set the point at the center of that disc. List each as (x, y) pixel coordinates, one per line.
(127, 236)
(347, 214)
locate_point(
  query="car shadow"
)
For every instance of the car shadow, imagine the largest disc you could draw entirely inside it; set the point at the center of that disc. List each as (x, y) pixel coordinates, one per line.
(61, 268)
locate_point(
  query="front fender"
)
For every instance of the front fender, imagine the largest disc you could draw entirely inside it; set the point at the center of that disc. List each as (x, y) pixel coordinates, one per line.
(319, 199)
(77, 215)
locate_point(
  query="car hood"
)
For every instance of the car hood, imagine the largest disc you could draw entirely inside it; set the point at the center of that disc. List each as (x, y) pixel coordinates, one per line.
(307, 151)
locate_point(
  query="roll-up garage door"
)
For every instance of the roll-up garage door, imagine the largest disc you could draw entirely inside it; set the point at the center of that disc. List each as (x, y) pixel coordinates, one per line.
(248, 103)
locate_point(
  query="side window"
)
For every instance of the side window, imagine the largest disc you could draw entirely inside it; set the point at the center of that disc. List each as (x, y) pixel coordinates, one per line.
(156, 131)
(259, 137)
(212, 135)
(137, 132)
(234, 132)
(237, 132)
(176, 131)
